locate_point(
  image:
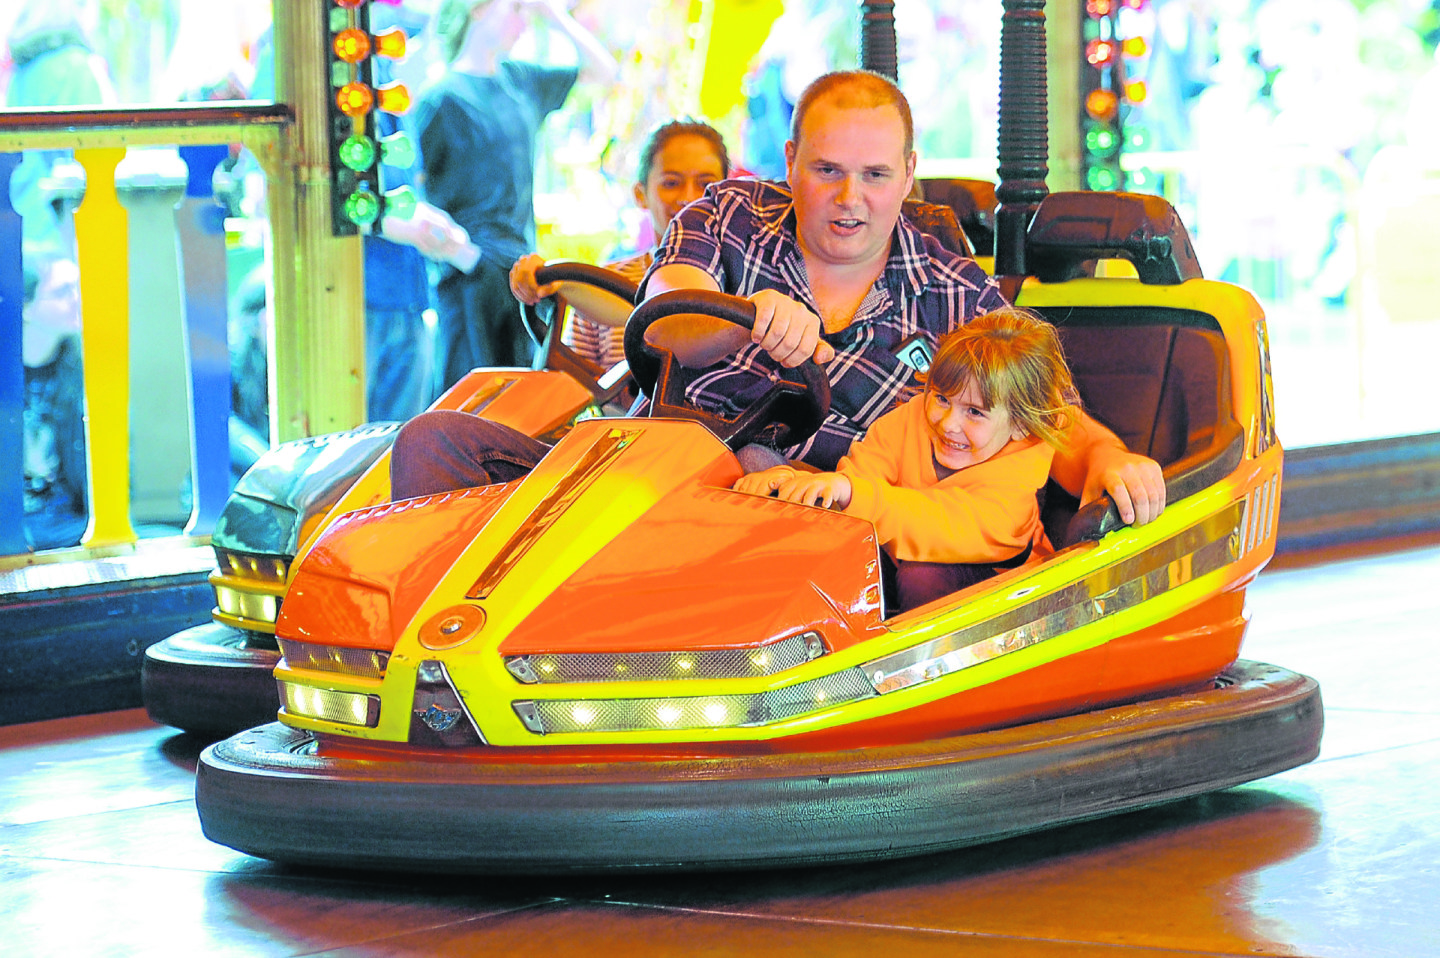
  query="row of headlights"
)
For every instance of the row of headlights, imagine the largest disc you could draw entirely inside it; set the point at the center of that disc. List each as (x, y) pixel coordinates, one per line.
(780, 656)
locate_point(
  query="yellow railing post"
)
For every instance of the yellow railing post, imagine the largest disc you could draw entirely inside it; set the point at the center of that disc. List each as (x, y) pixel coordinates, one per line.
(102, 233)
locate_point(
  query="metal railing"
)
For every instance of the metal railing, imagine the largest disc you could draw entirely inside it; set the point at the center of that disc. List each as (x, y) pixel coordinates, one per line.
(187, 340)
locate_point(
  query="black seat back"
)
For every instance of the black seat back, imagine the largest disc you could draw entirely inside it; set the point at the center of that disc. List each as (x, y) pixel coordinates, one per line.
(1160, 380)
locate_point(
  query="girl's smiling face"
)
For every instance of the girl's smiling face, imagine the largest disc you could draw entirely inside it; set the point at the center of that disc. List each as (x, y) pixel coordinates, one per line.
(963, 431)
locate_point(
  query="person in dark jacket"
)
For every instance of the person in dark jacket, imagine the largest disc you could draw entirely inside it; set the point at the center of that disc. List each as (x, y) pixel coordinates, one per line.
(478, 127)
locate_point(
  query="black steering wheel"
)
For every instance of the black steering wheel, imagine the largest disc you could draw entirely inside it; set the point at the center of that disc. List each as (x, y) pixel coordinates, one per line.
(602, 295)
(788, 412)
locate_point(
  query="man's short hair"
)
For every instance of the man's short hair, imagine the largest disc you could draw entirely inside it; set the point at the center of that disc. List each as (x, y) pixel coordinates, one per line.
(854, 89)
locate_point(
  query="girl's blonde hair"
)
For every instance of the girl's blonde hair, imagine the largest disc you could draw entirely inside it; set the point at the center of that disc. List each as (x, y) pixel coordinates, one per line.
(1015, 360)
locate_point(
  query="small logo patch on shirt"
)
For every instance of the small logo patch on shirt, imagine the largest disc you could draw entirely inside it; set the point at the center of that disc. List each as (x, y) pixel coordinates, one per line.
(916, 353)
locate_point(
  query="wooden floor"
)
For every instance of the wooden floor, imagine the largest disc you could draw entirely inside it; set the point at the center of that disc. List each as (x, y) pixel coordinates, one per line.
(101, 852)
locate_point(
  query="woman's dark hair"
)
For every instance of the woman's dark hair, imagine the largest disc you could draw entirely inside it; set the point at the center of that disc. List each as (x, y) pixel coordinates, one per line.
(666, 132)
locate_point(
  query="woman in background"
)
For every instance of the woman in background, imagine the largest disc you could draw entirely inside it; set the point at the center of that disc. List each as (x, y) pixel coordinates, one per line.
(680, 158)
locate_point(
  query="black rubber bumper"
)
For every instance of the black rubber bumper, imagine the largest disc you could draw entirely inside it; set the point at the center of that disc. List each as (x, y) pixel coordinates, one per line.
(210, 680)
(265, 793)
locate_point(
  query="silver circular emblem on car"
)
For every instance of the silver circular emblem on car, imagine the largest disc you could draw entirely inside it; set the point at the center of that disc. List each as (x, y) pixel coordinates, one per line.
(451, 627)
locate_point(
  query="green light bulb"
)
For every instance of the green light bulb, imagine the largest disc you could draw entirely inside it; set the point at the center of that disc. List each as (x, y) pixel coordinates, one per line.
(400, 202)
(362, 207)
(1100, 179)
(1101, 140)
(358, 153)
(397, 150)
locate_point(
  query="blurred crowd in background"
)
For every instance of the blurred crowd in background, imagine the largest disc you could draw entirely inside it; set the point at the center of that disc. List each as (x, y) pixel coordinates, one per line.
(1296, 137)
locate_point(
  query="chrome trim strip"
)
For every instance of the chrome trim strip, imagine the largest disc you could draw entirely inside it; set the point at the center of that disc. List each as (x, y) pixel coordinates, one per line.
(1247, 516)
(569, 488)
(1203, 548)
(701, 664)
(483, 397)
(1262, 515)
(1272, 505)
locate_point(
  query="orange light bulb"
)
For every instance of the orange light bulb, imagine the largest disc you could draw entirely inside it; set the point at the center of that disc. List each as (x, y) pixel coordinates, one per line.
(1102, 104)
(354, 99)
(351, 45)
(1100, 52)
(391, 44)
(394, 98)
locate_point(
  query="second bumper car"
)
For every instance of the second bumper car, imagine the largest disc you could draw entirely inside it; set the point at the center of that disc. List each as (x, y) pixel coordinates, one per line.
(217, 678)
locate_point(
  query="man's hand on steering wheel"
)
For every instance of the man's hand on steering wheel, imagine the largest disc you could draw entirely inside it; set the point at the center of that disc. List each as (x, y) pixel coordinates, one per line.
(1133, 481)
(786, 413)
(788, 331)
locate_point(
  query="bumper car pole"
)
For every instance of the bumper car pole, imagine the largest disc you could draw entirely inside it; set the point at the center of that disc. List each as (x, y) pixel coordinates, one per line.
(877, 38)
(1024, 133)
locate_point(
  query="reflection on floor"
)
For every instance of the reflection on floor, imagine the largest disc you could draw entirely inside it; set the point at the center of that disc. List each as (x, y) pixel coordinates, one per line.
(101, 852)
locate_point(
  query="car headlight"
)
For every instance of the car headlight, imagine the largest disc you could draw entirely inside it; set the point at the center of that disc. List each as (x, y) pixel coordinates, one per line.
(263, 568)
(330, 705)
(334, 658)
(256, 607)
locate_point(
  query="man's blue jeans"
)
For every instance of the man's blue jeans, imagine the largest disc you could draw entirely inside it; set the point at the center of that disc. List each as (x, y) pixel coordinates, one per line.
(444, 450)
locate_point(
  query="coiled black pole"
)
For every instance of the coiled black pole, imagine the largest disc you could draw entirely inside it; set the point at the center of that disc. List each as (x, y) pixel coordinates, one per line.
(877, 38)
(1024, 131)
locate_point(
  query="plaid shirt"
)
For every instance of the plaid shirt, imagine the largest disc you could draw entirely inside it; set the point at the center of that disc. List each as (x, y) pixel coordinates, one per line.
(742, 232)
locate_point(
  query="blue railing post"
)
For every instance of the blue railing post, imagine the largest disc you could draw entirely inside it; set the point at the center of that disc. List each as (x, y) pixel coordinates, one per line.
(12, 370)
(200, 224)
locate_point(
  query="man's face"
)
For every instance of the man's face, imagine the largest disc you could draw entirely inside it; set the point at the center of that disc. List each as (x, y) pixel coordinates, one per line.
(849, 173)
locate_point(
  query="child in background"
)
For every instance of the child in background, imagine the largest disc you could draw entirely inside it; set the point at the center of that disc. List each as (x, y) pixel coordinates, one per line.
(56, 491)
(950, 478)
(680, 158)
